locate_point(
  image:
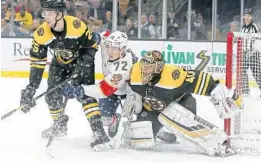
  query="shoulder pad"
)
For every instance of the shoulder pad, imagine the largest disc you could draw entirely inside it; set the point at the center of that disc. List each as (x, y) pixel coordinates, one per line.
(75, 27)
(43, 35)
(172, 76)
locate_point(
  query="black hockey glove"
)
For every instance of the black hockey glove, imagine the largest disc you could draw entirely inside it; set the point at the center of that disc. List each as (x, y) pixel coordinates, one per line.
(27, 101)
(81, 69)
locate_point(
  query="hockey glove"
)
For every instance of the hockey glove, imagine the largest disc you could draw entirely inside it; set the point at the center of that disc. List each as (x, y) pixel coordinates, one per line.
(225, 101)
(80, 70)
(27, 101)
(71, 91)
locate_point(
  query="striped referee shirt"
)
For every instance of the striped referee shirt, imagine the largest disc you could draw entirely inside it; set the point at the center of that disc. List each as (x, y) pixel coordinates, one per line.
(250, 28)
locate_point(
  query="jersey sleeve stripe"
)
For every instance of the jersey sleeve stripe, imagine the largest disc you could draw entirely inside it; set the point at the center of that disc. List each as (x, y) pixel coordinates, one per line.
(206, 85)
(202, 84)
(106, 88)
(198, 83)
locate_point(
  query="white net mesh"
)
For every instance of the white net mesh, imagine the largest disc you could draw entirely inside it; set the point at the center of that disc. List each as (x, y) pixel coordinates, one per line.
(245, 128)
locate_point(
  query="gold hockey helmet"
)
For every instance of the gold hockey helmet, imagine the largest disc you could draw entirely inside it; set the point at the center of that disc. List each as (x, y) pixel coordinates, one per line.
(151, 64)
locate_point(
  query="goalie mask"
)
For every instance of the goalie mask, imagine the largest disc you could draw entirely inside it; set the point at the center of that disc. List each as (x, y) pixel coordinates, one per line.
(151, 65)
(116, 44)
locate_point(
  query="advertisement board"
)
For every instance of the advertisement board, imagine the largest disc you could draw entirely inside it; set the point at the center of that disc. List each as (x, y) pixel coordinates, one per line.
(207, 56)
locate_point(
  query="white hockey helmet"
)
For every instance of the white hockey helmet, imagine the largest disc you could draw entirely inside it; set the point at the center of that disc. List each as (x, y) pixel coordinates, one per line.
(117, 40)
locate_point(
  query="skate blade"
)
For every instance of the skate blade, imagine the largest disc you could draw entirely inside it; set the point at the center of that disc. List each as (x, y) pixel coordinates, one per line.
(55, 137)
(102, 147)
(227, 154)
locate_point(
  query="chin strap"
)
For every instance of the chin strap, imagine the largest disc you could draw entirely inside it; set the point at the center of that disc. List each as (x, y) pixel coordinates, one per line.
(57, 20)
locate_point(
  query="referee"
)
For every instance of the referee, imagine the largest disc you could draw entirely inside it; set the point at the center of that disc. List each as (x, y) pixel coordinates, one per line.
(251, 58)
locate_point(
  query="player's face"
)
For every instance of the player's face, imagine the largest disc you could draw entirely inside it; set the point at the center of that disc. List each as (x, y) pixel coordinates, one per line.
(248, 18)
(147, 71)
(113, 53)
(50, 17)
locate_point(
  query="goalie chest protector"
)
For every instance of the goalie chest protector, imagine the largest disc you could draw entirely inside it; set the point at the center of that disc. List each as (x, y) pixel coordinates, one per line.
(162, 90)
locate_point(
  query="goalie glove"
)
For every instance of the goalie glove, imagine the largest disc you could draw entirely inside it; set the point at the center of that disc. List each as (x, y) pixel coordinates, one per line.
(226, 101)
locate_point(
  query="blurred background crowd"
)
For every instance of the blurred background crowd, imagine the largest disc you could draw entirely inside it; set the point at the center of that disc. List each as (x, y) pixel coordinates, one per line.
(200, 19)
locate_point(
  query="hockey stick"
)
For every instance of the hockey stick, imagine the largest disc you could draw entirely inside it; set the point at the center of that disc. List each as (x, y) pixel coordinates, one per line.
(114, 127)
(50, 140)
(36, 98)
(116, 143)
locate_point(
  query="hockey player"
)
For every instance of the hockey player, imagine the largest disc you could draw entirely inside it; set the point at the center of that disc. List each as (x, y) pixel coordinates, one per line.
(159, 85)
(252, 59)
(117, 61)
(74, 49)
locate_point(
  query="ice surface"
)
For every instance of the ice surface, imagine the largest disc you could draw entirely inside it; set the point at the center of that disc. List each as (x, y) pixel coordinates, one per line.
(21, 142)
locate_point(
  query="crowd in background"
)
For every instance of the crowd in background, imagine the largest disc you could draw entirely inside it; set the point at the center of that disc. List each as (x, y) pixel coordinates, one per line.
(98, 15)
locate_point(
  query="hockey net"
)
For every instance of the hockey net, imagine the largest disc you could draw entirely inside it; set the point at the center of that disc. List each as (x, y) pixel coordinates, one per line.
(243, 72)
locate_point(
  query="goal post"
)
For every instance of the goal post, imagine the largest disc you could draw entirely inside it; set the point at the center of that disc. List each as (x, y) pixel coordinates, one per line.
(243, 73)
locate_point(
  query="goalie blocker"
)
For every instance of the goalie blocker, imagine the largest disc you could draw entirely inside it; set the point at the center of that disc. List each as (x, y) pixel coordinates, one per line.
(160, 85)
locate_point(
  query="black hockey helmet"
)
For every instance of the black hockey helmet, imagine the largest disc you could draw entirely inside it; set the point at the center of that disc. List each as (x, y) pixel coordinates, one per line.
(248, 11)
(58, 5)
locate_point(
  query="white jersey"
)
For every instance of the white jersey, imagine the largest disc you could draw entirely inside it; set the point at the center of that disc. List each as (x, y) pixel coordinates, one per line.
(116, 74)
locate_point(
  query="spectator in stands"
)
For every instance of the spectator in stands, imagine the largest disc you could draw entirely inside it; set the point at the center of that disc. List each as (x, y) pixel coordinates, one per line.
(131, 31)
(108, 5)
(209, 33)
(22, 32)
(97, 13)
(80, 14)
(152, 26)
(3, 9)
(23, 19)
(37, 10)
(24, 4)
(172, 25)
(125, 11)
(234, 26)
(70, 8)
(108, 24)
(5, 28)
(198, 31)
(6, 11)
(145, 33)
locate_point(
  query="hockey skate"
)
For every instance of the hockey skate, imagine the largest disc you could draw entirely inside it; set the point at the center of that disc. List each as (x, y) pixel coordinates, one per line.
(100, 141)
(113, 128)
(224, 150)
(58, 129)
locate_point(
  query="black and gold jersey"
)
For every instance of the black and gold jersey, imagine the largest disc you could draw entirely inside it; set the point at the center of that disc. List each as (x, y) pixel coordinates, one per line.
(170, 85)
(63, 45)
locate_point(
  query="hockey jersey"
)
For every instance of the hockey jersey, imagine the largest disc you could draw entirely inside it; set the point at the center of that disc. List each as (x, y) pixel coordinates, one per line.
(171, 84)
(65, 45)
(116, 73)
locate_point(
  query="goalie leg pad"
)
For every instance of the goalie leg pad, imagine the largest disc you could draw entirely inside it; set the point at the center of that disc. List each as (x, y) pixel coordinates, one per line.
(140, 135)
(182, 122)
